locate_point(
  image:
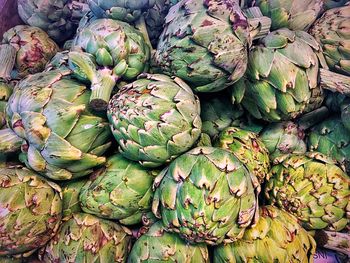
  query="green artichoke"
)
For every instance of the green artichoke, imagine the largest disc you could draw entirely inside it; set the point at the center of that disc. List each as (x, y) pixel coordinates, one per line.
(205, 43)
(218, 113)
(332, 32)
(159, 246)
(5, 93)
(281, 83)
(283, 138)
(277, 237)
(61, 139)
(207, 195)
(59, 18)
(312, 188)
(248, 148)
(121, 190)
(288, 137)
(70, 194)
(155, 119)
(292, 14)
(86, 238)
(31, 211)
(128, 11)
(329, 4)
(332, 139)
(345, 113)
(119, 51)
(155, 19)
(34, 48)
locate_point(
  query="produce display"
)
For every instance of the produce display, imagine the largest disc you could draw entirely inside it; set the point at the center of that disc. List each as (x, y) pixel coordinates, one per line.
(175, 131)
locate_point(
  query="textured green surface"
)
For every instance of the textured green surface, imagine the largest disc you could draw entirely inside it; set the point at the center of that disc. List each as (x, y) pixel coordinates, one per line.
(207, 195)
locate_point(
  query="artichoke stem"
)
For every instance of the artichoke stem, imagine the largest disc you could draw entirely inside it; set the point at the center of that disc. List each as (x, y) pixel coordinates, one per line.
(7, 60)
(101, 90)
(140, 24)
(333, 240)
(312, 118)
(334, 82)
(259, 25)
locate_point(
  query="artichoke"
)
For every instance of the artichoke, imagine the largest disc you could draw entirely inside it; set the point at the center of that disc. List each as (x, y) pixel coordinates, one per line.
(277, 237)
(34, 48)
(61, 139)
(155, 119)
(288, 137)
(122, 190)
(332, 32)
(118, 50)
(159, 246)
(31, 210)
(332, 139)
(248, 148)
(283, 138)
(70, 194)
(128, 11)
(205, 43)
(5, 93)
(292, 14)
(280, 82)
(329, 4)
(59, 18)
(207, 195)
(218, 113)
(345, 113)
(155, 18)
(312, 188)
(86, 238)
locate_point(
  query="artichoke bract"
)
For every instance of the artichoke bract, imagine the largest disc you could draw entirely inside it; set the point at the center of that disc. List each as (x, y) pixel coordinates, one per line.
(61, 139)
(31, 211)
(119, 51)
(34, 48)
(207, 195)
(205, 43)
(332, 32)
(292, 14)
(277, 237)
(86, 238)
(5, 93)
(127, 11)
(159, 246)
(59, 18)
(248, 148)
(155, 119)
(121, 190)
(280, 84)
(155, 19)
(328, 4)
(331, 138)
(70, 196)
(312, 188)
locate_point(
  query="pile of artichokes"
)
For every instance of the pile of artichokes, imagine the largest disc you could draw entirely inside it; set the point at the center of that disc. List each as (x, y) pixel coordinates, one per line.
(175, 131)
